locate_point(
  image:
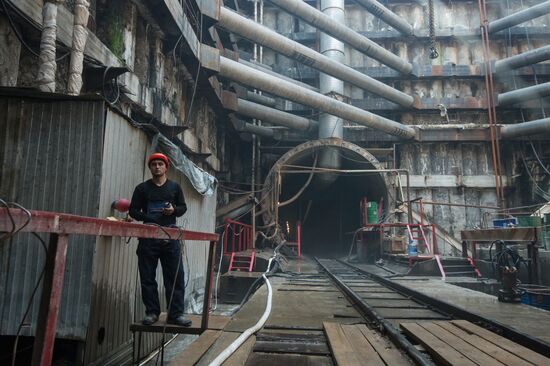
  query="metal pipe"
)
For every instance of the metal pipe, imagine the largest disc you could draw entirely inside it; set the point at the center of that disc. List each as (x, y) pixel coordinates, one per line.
(519, 17)
(264, 68)
(275, 116)
(521, 95)
(261, 99)
(386, 15)
(259, 80)
(523, 59)
(331, 125)
(258, 33)
(323, 22)
(539, 126)
(255, 130)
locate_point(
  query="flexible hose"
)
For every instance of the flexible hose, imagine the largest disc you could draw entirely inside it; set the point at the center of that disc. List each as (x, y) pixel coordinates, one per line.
(247, 333)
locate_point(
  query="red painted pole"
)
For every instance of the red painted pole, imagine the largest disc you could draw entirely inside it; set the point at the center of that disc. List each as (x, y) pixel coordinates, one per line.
(299, 233)
(50, 301)
(233, 237)
(208, 286)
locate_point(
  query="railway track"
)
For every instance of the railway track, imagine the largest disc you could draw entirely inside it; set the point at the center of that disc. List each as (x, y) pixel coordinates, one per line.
(427, 331)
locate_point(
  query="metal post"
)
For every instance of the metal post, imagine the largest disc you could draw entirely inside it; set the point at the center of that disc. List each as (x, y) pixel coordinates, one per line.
(208, 286)
(50, 300)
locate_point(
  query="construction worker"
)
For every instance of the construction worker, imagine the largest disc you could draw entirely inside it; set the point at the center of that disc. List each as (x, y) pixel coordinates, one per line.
(159, 201)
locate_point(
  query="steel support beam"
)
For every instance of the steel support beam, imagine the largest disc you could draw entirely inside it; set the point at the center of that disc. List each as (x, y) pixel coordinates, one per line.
(245, 75)
(386, 15)
(523, 59)
(50, 300)
(275, 116)
(539, 126)
(260, 34)
(524, 94)
(519, 17)
(261, 99)
(361, 43)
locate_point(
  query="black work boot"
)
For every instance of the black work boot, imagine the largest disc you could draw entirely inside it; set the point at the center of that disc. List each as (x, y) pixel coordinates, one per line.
(150, 319)
(179, 320)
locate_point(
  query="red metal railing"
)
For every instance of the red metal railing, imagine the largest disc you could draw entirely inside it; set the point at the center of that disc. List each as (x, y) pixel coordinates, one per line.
(298, 240)
(237, 237)
(60, 226)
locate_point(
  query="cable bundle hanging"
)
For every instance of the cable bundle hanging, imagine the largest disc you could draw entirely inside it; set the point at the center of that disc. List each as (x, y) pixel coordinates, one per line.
(431, 14)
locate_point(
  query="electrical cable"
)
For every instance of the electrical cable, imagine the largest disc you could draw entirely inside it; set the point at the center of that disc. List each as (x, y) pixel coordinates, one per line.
(29, 304)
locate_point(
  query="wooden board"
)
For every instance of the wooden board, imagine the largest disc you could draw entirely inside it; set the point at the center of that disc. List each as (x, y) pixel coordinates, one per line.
(489, 348)
(342, 350)
(216, 322)
(363, 350)
(468, 350)
(502, 342)
(193, 353)
(439, 350)
(271, 359)
(239, 357)
(387, 350)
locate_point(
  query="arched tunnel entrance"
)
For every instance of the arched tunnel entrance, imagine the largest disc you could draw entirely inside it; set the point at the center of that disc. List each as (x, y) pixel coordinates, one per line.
(329, 213)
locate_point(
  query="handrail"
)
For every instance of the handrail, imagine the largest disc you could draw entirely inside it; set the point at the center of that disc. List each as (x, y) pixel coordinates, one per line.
(239, 239)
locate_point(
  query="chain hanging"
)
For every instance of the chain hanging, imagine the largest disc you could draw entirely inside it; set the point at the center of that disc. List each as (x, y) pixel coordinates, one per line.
(433, 51)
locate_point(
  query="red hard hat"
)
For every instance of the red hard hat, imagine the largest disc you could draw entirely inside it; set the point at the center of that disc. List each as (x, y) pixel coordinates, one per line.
(121, 205)
(158, 156)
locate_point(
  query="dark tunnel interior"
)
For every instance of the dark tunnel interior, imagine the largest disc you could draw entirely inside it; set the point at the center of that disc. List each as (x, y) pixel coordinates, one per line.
(329, 215)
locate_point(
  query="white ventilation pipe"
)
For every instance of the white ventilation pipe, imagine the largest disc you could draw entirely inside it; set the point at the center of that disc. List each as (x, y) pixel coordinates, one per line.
(386, 15)
(260, 34)
(274, 116)
(256, 79)
(339, 31)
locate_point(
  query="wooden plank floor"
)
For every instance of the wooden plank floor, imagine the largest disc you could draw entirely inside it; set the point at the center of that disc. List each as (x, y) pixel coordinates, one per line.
(357, 345)
(216, 322)
(459, 342)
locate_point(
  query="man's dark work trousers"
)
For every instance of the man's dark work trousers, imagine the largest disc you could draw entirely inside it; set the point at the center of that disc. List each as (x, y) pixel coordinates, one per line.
(168, 251)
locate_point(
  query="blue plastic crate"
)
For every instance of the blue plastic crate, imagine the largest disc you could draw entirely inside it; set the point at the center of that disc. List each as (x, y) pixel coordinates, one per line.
(503, 223)
(538, 296)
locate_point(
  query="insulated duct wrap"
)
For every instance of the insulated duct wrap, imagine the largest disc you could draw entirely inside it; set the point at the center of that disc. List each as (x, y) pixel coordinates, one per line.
(46, 62)
(80, 36)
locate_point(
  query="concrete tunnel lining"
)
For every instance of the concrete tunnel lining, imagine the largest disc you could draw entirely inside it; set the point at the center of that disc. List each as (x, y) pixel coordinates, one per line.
(343, 195)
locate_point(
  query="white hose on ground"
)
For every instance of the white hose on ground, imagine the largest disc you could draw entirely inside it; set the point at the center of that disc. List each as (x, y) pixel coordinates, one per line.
(247, 333)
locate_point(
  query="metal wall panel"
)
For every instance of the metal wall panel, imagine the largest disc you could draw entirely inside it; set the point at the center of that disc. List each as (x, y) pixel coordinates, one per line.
(50, 159)
(116, 297)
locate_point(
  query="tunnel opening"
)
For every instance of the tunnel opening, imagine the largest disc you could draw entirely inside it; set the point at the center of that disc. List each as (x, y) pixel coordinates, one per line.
(329, 214)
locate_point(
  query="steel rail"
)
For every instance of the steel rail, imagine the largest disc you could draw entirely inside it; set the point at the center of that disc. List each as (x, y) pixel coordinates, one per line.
(394, 334)
(525, 340)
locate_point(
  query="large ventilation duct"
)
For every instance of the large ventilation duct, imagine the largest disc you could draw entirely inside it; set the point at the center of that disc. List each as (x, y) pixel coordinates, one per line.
(524, 59)
(261, 131)
(386, 15)
(260, 34)
(261, 99)
(267, 70)
(539, 126)
(519, 17)
(256, 79)
(331, 125)
(339, 31)
(521, 95)
(275, 116)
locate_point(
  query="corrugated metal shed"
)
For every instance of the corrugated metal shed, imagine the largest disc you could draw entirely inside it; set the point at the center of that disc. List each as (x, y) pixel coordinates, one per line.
(77, 156)
(116, 297)
(50, 160)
